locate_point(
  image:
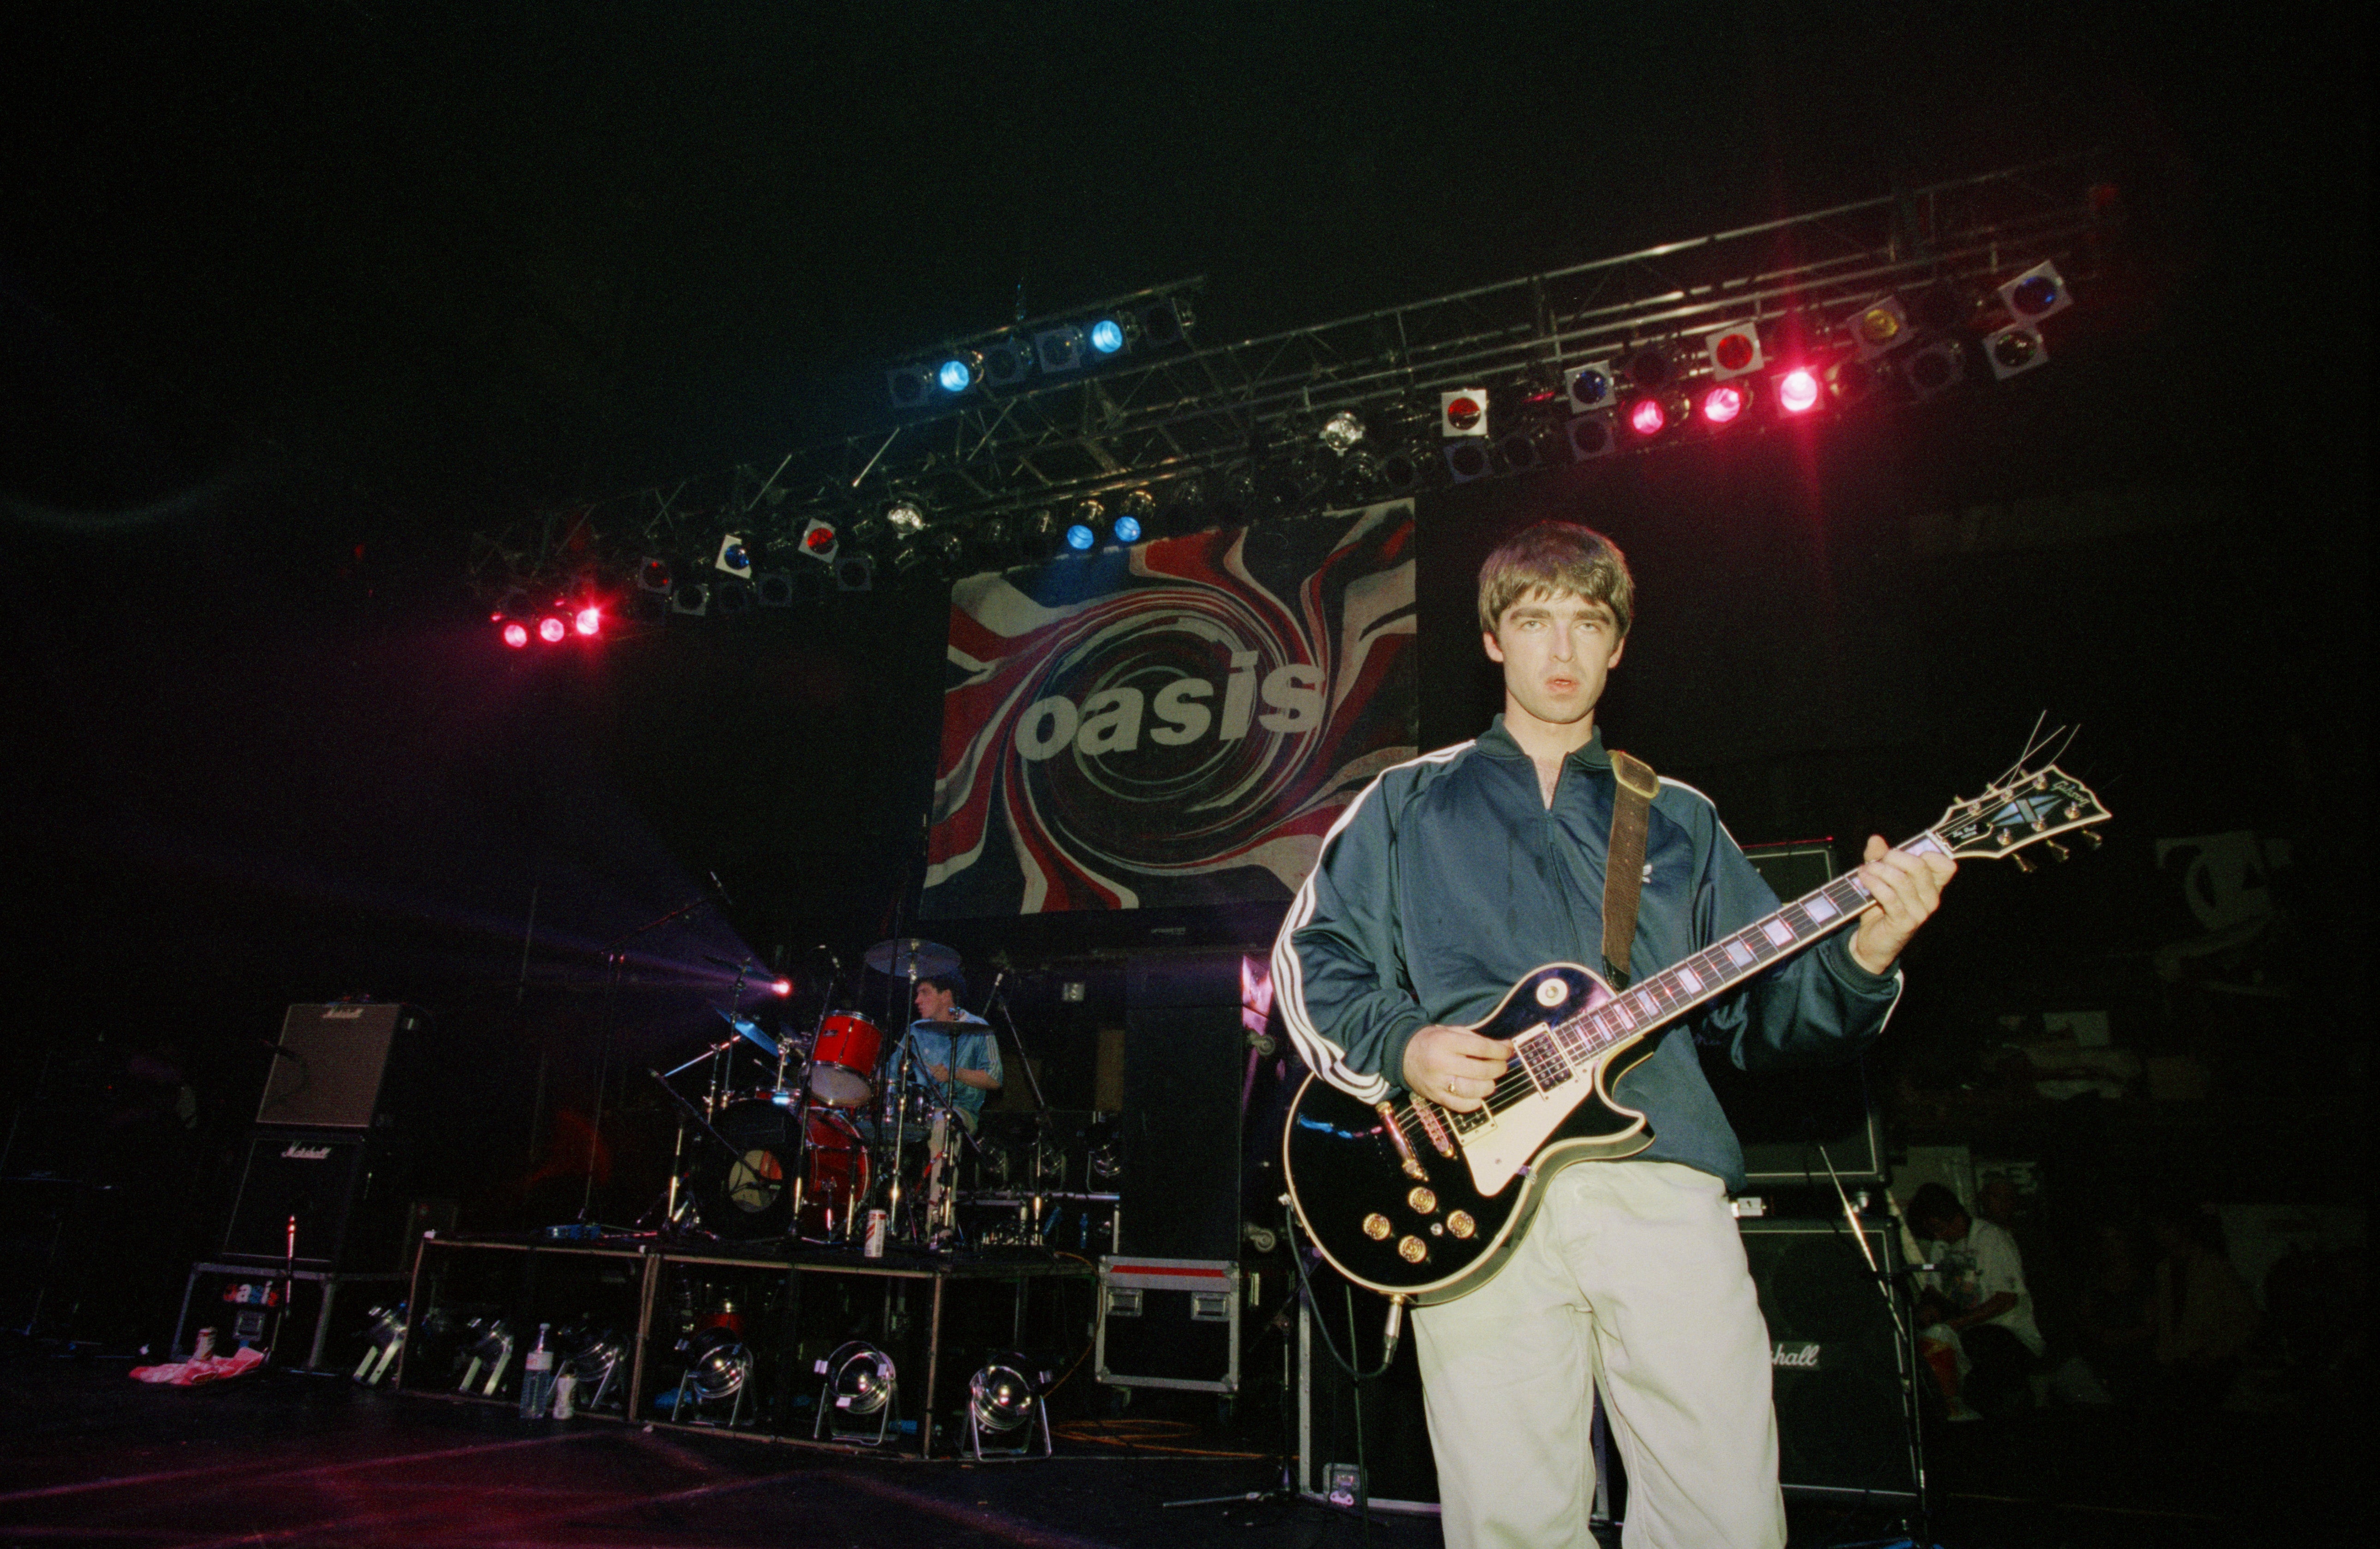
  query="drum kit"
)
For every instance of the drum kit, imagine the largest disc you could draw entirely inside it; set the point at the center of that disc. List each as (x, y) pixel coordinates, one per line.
(846, 1138)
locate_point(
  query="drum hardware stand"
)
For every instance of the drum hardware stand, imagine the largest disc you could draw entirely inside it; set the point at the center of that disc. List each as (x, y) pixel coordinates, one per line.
(616, 955)
(674, 1207)
(1042, 1119)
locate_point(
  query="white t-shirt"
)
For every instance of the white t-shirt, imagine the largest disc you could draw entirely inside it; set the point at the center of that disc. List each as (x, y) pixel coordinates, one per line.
(1981, 1267)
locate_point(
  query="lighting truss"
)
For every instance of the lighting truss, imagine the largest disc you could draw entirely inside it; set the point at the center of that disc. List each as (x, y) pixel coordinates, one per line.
(1146, 419)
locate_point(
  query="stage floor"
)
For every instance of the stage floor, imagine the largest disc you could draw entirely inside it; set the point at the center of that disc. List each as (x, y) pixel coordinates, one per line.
(93, 1458)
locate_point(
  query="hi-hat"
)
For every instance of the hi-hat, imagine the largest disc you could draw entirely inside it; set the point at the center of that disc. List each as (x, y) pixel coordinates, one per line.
(909, 958)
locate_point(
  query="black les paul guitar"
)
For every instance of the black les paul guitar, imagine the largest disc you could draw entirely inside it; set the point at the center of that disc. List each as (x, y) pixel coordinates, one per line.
(1423, 1203)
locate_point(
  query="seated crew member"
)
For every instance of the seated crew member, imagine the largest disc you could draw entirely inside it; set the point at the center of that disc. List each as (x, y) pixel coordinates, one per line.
(955, 1046)
(1987, 1302)
(1448, 879)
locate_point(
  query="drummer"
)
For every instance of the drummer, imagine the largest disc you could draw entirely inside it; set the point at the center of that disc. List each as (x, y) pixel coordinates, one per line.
(955, 1046)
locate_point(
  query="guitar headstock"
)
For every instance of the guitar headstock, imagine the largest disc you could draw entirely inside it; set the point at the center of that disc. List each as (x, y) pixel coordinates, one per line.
(2029, 808)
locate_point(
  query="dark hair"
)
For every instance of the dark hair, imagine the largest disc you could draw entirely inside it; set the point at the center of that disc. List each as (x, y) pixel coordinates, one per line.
(953, 981)
(1933, 1203)
(1552, 558)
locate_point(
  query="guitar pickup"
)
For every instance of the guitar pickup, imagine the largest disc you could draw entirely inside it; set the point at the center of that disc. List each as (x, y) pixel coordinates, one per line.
(1434, 1127)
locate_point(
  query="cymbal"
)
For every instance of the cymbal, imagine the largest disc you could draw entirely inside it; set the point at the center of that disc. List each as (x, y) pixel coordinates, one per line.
(908, 957)
(750, 1031)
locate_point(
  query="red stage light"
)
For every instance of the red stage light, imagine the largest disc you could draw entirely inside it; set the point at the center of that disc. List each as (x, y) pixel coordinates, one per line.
(590, 621)
(780, 988)
(550, 630)
(1797, 391)
(515, 635)
(1721, 405)
(1645, 416)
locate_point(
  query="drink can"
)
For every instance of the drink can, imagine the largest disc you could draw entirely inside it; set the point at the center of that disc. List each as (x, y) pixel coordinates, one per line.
(878, 1223)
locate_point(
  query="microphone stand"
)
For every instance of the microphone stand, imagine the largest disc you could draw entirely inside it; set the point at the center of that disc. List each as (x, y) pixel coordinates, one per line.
(617, 956)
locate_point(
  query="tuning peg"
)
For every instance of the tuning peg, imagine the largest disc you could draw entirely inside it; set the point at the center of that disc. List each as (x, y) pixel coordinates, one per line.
(2023, 863)
(2057, 851)
(2091, 838)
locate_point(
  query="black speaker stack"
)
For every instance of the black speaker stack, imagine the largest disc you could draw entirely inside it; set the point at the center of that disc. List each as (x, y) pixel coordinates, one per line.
(327, 1152)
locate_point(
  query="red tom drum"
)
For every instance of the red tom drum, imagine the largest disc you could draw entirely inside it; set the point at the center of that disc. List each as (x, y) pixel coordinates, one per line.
(845, 1075)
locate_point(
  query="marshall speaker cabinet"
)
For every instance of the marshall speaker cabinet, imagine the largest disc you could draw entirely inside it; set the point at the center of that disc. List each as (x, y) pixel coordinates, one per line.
(1842, 1361)
(330, 1068)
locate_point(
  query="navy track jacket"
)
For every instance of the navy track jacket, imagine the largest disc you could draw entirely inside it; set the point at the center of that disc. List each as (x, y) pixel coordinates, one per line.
(1448, 879)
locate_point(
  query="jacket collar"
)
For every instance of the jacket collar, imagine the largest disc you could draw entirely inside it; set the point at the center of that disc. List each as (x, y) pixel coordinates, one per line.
(1497, 742)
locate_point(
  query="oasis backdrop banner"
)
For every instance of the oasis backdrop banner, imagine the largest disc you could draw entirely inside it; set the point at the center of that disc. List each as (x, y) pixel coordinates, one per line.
(1176, 723)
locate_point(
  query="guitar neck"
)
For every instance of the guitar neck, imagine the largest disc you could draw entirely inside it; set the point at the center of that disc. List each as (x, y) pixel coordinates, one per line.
(1726, 963)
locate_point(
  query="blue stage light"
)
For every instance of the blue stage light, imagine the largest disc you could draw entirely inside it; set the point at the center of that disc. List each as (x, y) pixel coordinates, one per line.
(1127, 529)
(1080, 537)
(1107, 336)
(954, 376)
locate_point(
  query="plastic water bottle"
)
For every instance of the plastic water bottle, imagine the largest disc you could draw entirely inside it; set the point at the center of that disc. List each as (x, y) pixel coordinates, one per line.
(537, 1378)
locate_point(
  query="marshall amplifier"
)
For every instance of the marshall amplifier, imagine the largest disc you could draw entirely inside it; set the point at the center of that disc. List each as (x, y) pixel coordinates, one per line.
(340, 1187)
(1842, 1368)
(330, 1068)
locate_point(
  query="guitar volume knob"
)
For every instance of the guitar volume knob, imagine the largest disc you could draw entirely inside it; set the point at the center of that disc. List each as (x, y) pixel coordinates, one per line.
(1413, 1250)
(1461, 1224)
(1423, 1203)
(1376, 1226)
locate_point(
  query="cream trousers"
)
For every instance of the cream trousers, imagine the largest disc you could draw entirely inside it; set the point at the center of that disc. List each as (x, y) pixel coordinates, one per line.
(1631, 1279)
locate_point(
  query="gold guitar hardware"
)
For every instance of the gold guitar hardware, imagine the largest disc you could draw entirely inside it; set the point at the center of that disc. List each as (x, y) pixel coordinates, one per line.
(1423, 1202)
(1413, 1250)
(1397, 1138)
(1461, 1224)
(1376, 1226)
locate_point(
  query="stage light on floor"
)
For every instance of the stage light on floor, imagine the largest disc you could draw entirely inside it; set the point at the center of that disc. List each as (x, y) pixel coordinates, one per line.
(1079, 538)
(516, 635)
(2038, 293)
(1004, 1400)
(1797, 391)
(859, 1382)
(1724, 404)
(589, 622)
(1106, 336)
(2013, 349)
(551, 630)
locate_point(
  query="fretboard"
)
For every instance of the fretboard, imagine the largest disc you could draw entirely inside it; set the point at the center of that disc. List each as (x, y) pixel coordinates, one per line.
(1715, 968)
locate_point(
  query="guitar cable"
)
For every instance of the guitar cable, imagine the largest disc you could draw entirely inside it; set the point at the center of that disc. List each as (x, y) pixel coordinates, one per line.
(1392, 1336)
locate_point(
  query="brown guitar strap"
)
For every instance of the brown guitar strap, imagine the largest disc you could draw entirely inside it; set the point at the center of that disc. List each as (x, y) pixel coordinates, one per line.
(1634, 788)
